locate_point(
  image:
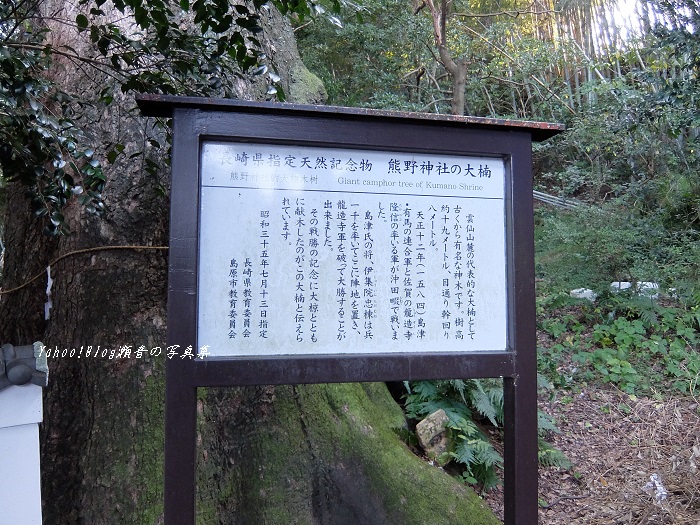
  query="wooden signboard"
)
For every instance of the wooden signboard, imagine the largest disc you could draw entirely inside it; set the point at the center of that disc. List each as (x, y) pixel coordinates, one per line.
(319, 244)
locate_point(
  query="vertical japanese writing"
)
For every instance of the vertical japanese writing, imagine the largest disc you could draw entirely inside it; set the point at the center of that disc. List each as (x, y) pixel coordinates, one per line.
(300, 259)
(355, 270)
(420, 274)
(407, 243)
(263, 326)
(369, 275)
(232, 298)
(314, 269)
(328, 215)
(395, 297)
(247, 295)
(457, 274)
(446, 265)
(432, 221)
(286, 217)
(418, 245)
(471, 276)
(341, 266)
(407, 271)
(347, 251)
(432, 214)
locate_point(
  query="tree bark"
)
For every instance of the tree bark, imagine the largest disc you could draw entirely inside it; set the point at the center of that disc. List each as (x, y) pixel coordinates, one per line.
(457, 68)
(458, 71)
(323, 454)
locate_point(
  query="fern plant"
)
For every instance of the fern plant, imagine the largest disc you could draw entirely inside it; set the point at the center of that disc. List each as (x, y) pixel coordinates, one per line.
(461, 399)
(467, 404)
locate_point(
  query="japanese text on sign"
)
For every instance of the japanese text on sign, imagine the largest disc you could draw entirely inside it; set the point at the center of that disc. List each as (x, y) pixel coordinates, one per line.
(328, 251)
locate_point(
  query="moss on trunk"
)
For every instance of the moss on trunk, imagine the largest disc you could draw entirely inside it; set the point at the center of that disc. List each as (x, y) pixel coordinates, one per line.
(324, 454)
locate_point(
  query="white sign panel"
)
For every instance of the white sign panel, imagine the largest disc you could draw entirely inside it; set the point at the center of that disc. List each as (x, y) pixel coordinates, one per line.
(337, 251)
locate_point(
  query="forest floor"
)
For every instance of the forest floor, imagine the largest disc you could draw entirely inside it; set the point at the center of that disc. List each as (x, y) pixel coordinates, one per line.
(616, 443)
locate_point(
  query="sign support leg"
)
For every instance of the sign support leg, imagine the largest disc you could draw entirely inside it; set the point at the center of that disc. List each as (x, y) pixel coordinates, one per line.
(180, 450)
(520, 439)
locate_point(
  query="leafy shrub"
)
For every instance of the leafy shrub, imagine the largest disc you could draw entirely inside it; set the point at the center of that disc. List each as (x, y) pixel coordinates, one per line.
(632, 342)
(593, 246)
(470, 405)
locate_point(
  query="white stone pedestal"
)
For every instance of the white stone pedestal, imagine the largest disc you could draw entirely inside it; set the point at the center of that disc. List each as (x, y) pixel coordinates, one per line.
(20, 490)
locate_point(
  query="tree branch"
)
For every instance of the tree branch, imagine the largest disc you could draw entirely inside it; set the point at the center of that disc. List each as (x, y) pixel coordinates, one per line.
(511, 14)
(19, 20)
(509, 57)
(52, 50)
(436, 16)
(434, 102)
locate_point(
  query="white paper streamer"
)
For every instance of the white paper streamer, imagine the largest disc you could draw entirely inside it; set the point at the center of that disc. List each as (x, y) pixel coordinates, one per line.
(48, 304)
(655, 484)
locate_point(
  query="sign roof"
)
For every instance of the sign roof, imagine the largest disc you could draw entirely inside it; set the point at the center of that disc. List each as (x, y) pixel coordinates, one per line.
(163, 105)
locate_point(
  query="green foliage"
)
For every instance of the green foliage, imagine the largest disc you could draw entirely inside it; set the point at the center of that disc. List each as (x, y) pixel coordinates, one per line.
(661, 342)
(40, 145)
(358, 62)
(470, 405)
(637, 142)
(169, 53)
(550, 456)
(387, 58)
(128, 46)
(460, 399)
(593, 246)
(632, 342)
(3, 204)
(613, 366)
(587, 248)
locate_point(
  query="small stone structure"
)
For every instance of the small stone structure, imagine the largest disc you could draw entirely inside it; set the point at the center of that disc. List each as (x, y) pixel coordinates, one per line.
(432, 436)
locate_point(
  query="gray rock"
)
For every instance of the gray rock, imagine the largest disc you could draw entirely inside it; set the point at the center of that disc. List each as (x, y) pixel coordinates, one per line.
(648, 289)
(643, 288)
(432, 435)
(584, 293)
(620, 286)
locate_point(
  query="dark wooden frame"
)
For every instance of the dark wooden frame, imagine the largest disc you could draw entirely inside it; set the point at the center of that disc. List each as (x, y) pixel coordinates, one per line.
(196, 120)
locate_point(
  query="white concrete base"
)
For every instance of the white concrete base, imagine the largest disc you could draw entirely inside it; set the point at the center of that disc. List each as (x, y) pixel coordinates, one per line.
(20, 487)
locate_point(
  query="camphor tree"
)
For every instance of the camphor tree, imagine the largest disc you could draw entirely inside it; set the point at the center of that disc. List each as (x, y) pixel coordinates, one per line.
(86, 185)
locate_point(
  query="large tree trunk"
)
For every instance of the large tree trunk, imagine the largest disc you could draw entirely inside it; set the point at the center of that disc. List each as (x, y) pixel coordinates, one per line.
(323, 454)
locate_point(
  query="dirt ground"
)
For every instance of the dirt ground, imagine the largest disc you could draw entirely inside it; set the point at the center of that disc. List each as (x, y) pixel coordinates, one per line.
(616, 443)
